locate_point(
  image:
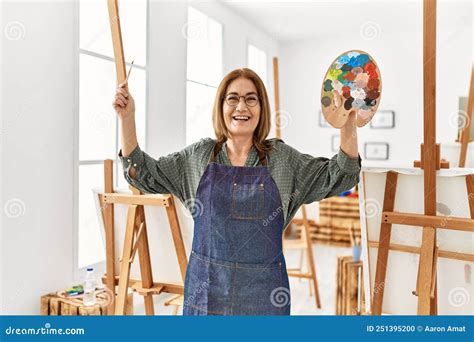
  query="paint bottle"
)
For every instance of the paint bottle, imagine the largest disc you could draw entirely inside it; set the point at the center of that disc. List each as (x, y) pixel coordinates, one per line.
(89, 288)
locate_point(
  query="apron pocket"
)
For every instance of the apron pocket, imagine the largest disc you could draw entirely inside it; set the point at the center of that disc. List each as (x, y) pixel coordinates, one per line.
(248, 201)
(261, 289)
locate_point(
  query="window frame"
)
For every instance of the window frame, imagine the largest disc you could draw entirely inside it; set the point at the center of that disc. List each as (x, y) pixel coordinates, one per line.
(222, 55)
(99, 267)
(267, 59)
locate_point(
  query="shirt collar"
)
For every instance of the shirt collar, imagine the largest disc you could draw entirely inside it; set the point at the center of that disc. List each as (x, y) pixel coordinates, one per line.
(252, 158)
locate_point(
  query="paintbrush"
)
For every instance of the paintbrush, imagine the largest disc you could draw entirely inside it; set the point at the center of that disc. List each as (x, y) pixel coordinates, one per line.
(125, 83)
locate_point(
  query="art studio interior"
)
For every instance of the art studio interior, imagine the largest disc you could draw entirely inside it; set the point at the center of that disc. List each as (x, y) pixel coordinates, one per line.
(176, 207)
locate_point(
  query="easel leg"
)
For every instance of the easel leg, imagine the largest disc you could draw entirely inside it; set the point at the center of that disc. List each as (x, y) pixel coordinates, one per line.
(426, 270)
(470, 193)
(145, 263)
(177, 237)
(126, 263)
(108, 215)
(384, 243)
(430, 158)
(311, 264)
(434, 301)
(434, 285)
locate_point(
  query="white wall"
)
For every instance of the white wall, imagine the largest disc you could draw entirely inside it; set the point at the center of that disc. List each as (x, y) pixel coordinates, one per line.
(398, 52)
(38, 69)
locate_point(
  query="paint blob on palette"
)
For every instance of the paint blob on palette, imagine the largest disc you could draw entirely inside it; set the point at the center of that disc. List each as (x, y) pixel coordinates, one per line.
(352, 84)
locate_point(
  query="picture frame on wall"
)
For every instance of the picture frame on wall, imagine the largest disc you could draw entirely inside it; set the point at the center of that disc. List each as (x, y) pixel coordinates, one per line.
(384, 119)
(376, 151)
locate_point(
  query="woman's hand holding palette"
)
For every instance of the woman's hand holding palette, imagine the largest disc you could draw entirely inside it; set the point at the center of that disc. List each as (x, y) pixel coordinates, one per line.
(352, 84)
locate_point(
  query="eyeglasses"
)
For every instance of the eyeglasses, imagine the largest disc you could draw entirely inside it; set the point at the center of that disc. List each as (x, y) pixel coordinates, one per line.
(233, 100)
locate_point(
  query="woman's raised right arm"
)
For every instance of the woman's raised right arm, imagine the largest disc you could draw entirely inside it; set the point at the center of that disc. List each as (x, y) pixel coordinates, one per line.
(149, 175)
(124, 105)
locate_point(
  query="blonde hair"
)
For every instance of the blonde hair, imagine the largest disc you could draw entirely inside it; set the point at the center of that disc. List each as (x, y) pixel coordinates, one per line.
(263, 128)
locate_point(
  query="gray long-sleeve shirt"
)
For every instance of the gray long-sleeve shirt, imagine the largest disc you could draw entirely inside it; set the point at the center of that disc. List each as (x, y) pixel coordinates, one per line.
(300, 178)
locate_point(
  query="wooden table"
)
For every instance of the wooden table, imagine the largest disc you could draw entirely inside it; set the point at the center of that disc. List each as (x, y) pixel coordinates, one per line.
(55, 305)
(350, 299)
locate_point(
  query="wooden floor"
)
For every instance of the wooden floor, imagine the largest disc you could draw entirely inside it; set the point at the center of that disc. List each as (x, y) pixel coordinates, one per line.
(302, 303)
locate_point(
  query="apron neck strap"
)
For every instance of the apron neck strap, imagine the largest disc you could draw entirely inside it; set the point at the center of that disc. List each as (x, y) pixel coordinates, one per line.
(262, 157)
(215, 152)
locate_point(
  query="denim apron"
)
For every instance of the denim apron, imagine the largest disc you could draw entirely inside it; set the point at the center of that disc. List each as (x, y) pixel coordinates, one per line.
(236, 266)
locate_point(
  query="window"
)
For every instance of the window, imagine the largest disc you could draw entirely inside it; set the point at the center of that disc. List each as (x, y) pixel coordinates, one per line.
(97, 129)
(257, 61)
(204, 73)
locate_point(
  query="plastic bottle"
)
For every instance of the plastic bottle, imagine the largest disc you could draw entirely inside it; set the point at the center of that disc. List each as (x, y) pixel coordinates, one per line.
(89, 288)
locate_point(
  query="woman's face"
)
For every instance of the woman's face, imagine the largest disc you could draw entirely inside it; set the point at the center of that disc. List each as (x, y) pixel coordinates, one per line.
(241, 119)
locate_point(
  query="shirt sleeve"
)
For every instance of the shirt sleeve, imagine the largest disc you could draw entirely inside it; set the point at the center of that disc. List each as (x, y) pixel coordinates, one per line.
(155, 176)
(318, 177)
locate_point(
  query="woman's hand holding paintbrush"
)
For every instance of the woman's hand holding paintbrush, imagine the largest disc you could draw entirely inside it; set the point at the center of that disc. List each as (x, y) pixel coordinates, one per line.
(124, 105)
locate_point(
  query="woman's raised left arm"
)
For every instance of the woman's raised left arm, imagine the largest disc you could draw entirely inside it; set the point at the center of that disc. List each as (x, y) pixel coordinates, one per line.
(349, 137)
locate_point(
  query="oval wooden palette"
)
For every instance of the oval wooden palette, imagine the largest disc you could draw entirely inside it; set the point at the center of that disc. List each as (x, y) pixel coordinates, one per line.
(352, 84)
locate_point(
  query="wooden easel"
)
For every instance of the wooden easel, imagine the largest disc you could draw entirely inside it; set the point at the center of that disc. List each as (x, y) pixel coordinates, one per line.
(430, 162)
(466, 131)
(136, 240)
(305, 243)
(276, 83)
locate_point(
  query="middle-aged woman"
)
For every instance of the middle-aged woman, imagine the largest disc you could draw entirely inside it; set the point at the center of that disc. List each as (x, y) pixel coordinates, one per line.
(242, 189)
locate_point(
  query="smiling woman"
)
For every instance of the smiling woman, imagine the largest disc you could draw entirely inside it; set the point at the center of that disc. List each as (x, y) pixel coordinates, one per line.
(237, 181)
(242, 114)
